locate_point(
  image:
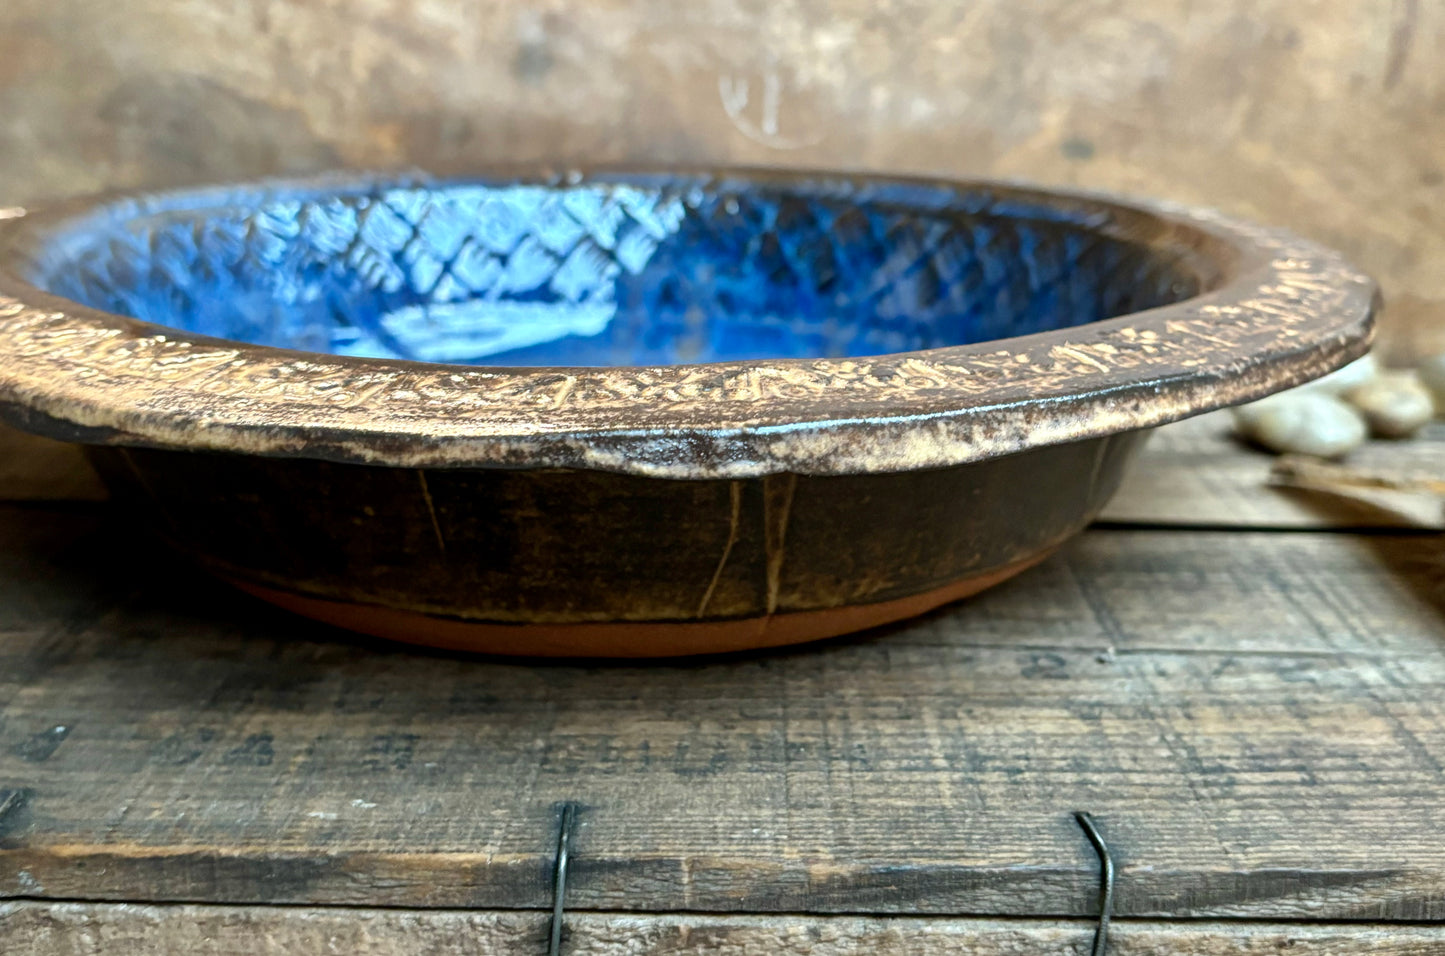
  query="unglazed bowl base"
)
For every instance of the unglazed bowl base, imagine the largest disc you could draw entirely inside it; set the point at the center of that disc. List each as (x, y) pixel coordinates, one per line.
(627, 639)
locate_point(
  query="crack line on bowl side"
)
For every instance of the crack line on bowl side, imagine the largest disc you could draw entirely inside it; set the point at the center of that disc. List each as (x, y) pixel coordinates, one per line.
(735, 492)
(431, 510)
(776, 510)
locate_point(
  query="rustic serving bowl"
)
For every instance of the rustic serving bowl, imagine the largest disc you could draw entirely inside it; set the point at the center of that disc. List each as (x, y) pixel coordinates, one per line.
(639, 414)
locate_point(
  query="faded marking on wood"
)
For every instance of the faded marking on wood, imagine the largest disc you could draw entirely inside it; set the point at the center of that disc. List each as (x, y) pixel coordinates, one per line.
(1401, 37)
(735, 94)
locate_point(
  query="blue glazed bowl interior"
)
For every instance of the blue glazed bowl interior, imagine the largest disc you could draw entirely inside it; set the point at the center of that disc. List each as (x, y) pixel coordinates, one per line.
(631, 272)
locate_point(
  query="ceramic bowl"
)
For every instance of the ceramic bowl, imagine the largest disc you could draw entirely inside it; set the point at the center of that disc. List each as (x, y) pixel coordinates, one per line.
(639, 413)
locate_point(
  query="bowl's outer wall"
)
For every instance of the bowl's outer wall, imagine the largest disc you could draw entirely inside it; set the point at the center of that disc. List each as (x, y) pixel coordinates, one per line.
(561, 546)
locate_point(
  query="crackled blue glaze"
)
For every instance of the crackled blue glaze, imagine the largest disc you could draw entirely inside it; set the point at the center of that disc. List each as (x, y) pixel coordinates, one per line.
(629, 272)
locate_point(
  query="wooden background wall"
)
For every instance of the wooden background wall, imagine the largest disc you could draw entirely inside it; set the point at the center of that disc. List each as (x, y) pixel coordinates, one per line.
(1327, 116)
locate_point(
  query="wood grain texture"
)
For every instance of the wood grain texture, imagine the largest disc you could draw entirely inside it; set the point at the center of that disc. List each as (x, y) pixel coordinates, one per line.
(71, 929)
(1323, 119)
(1265, 741)
(1256, 720)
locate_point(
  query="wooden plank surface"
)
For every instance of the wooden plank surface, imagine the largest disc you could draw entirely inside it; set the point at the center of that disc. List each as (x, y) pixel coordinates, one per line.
(1323, 118)
(78, 929)
(1264, 740)
(1256, 719)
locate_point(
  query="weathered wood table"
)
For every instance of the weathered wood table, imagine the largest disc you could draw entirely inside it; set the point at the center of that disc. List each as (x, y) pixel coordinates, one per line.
(1243, 687)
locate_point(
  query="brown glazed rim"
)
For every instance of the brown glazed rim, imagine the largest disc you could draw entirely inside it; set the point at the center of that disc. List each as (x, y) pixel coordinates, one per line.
(1277, 311)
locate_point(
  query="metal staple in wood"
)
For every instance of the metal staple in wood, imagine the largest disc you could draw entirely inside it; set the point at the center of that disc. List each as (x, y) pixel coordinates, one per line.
(1106, 882)
(559, 876)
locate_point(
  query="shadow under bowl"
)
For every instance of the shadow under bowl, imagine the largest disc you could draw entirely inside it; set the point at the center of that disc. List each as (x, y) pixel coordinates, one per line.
(633, 413)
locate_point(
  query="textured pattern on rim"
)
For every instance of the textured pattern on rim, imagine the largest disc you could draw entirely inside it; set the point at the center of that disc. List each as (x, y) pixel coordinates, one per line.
(1287, 311)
